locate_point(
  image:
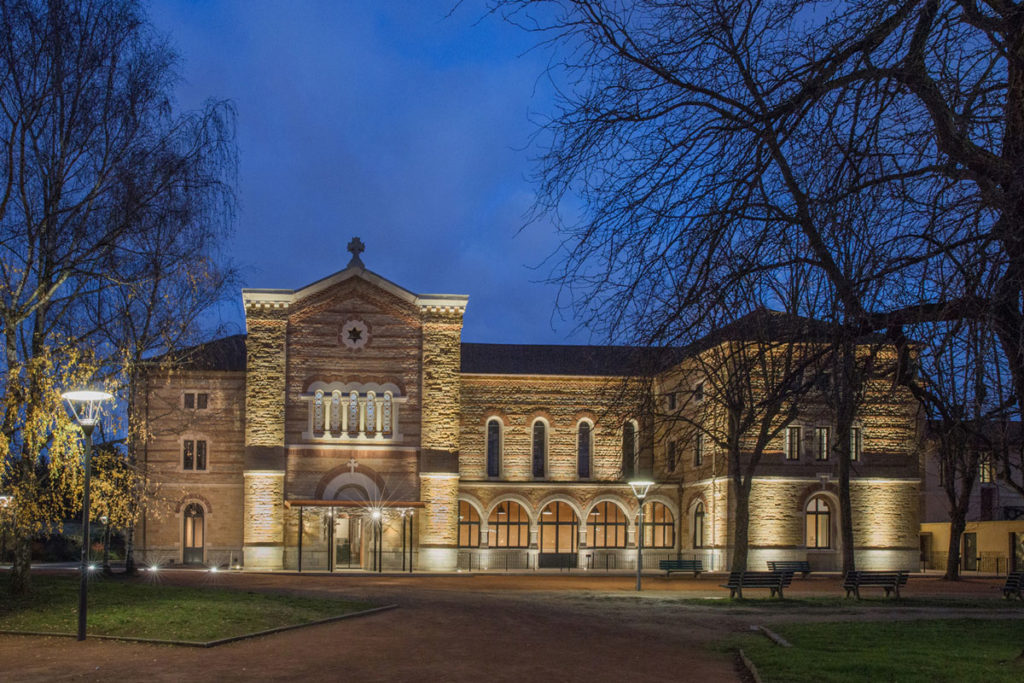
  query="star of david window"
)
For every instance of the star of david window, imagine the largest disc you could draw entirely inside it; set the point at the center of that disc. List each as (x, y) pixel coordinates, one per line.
(354, 334)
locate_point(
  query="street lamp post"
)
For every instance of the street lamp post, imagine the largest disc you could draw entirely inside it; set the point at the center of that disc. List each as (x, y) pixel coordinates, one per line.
(85, 408)
(640, 488)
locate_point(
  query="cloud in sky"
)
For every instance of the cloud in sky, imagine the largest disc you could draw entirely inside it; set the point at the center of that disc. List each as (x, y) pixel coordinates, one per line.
(387, 120)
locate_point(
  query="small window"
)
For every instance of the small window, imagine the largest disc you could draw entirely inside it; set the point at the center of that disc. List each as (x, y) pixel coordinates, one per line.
(670, 400)
(698, 450)
(698, 392)
(856, 443)
(493, 448)
(584, 447)
(986, 474)
(698, 526)
(821, 439)
(628, 450)
(540, 449)
(792, 443)
(196, 400)
(670, 456)
(194, 455)
(823, 382)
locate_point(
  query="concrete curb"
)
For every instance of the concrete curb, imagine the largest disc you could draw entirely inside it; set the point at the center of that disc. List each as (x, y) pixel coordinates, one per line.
(208, 643)
(775, 637)
(749, 665)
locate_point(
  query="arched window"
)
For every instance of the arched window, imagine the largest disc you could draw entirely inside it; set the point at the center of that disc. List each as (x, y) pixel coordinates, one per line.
(318, 412)
(192, 546)
(819, 523)
(540, 449)
(607, 525)
(386, 415)
(659, 526)
(469, 526)
(353, 412)
(371, 413)
(698, 525)
(584, 447)
(494, 447)
(559, 529)
(509, 526)
(335, 411)
(628, 450)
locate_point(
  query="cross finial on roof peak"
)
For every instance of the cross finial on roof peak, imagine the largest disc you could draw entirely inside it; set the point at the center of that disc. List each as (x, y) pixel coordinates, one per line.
(356, 247)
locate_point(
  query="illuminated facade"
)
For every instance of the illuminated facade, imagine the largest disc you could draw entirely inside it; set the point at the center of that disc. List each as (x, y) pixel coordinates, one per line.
(352, 427)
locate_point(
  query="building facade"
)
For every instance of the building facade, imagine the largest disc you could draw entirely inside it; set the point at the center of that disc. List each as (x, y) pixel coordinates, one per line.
(351, 427)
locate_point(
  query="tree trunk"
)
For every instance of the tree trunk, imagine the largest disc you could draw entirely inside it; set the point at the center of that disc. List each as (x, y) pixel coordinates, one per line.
(129, 551)
(21, 577)
(957, 524)
(846, 408)
(741, 529)
(106, 549)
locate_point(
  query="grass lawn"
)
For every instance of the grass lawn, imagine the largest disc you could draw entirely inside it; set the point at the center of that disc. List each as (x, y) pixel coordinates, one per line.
(960, 650)
(144, 608)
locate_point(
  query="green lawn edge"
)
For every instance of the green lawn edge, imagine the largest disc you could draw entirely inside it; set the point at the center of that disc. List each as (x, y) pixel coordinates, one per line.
(144, 610)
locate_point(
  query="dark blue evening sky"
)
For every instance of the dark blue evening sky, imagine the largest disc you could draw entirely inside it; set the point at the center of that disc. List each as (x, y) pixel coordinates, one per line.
(391, 121)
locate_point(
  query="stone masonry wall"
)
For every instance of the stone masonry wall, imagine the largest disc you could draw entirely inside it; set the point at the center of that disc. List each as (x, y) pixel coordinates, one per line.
(265, 382)
(442, 338)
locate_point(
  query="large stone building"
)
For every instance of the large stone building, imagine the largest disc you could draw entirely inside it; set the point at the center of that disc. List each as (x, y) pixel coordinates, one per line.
(352, 427)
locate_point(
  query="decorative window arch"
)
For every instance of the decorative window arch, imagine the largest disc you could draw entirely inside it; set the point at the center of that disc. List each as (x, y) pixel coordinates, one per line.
(659, 526)
(335, 411)
(698, 525)
(494, 447)
(371, 412)
(385, 410)
(607, 526)
(508, 526)
(818, 523)
(629, 449)
(353, 412)
(469, 526)
(193, 534)
(584, 449)
(539, 448)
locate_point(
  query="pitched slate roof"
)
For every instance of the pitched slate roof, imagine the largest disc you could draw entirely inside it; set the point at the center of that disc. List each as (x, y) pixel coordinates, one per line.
(224, 354)
(540, 359)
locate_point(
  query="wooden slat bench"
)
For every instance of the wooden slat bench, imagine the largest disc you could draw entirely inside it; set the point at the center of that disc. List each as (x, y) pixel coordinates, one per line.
(773, 581)
(791, 566)
(1014, 585)
(669, 566)
(890, 581)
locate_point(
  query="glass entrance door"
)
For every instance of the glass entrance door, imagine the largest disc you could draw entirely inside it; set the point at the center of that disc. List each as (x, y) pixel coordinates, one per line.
(192, 547)
(971, 552)
(348, 542)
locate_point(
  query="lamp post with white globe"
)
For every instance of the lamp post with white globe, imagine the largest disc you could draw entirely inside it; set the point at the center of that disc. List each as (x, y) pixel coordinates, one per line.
(640, 488)
(85, 409)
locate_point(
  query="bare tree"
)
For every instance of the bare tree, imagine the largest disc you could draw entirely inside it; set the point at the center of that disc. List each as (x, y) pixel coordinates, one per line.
(112, 210)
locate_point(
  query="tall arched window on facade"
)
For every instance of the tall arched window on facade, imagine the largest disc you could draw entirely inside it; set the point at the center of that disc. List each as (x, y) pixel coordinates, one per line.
(494, 447)
(698, 525)
(628, 450)
(508, 526)
(584, 447)
(540, 449)
(819, 523)
(607, 526)
(659, 526)
(469, 526)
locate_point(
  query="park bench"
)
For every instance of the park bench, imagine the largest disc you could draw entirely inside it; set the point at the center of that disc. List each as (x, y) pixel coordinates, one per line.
(1014, 585)
(773, 581)
(791, 566)
(669, 566)
(890, 581)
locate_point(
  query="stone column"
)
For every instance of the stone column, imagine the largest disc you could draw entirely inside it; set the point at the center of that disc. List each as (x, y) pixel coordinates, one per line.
(439, 445)
(263, 531)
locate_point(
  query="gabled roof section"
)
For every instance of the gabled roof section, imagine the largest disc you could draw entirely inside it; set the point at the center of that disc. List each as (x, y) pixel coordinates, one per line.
(539, 359)
(226, 354)
(283, 298)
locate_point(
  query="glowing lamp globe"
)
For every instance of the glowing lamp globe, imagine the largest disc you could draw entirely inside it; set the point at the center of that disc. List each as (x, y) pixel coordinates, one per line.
(85, 406)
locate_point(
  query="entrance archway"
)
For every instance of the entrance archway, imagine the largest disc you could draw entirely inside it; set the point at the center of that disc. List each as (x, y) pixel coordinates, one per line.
(559, 536)
(193, 534)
